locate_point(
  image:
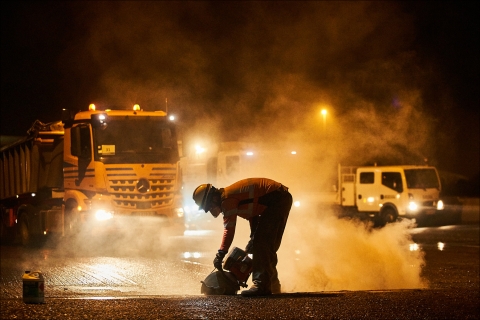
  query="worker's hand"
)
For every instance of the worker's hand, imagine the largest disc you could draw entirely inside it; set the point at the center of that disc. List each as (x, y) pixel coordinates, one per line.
(217, 262)
(249, 247)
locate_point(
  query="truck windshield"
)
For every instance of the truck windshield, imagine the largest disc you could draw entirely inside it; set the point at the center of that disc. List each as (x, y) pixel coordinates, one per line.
(136, 140)
(421, 178)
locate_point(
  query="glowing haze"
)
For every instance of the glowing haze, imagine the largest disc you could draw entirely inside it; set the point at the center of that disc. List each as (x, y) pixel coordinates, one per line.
(264, 71)
(236, 70)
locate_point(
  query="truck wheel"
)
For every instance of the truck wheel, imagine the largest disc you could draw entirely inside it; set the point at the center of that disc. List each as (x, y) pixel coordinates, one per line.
(71, 219)
(25, 236)
(3, 232)
(388, 215)
(6, 234)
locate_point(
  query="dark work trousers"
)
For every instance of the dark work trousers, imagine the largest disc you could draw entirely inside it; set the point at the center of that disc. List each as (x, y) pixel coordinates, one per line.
(267, 238)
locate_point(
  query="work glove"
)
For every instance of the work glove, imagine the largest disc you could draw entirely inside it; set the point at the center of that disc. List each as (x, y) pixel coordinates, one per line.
(217, 262)
(249, 247)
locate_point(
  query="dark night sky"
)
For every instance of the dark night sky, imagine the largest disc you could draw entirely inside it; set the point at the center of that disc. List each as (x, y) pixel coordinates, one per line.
(397, 77)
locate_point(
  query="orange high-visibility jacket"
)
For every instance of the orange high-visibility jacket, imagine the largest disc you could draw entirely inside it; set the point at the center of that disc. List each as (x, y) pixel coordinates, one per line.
(242, 199)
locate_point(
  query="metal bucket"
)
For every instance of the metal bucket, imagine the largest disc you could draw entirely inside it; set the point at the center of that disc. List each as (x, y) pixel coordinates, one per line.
(33, 287)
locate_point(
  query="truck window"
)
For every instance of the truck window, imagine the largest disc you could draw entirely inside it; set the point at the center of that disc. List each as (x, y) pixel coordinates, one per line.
(392, 180)
(81, 142)
(136, 140)
(422, 178)
(367, 178)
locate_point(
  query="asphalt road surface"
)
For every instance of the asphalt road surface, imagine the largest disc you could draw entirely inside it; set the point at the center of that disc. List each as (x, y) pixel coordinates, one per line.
(110, 279)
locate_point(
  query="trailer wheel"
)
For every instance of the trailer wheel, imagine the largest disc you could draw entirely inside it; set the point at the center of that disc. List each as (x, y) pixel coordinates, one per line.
(25, 236)
(3, 231)
(3, 227)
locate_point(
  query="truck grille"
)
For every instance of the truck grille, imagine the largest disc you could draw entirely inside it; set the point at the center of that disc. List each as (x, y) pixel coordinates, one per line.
(124, 184)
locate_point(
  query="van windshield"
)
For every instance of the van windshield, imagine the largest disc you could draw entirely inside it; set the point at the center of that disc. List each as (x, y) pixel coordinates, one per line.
(422, 178)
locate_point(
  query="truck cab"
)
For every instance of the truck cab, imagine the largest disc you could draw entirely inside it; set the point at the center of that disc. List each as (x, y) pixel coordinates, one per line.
(388, 192)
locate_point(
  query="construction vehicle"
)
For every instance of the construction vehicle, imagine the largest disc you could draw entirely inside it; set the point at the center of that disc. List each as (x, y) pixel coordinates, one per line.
(222, 164)
(94, 170)
(385, 193)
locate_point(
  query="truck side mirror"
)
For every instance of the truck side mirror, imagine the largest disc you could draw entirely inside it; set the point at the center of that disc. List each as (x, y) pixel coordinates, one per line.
(67, 118)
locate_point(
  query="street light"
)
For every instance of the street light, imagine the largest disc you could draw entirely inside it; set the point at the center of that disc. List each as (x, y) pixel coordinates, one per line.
(324, 115)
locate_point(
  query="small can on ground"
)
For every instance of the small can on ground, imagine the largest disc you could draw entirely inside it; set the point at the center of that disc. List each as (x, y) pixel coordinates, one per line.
(33, 287)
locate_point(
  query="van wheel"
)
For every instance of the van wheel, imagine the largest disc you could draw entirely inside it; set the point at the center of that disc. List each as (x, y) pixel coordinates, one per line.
(388, 215)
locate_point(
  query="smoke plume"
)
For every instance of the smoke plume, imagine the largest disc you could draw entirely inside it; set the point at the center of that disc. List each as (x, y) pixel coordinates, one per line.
(328, 254)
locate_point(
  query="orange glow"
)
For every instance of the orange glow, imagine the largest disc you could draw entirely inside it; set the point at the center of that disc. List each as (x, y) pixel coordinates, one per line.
(91, 107)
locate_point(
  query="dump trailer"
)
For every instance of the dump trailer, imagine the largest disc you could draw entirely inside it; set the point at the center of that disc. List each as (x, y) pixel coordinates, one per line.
(385, 193)
(93, 170)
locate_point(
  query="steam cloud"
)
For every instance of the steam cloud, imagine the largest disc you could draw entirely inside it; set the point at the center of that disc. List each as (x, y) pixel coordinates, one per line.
(329, 254)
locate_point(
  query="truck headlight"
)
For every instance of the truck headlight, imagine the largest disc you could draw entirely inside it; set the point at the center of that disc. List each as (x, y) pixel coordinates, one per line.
(102, 215)
(179, 212)
(440, 205)
(412, 206)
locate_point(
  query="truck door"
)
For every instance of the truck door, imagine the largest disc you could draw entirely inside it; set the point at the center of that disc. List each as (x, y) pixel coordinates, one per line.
(367, 195)
(348, 189)
(391, 188)
(79, 167)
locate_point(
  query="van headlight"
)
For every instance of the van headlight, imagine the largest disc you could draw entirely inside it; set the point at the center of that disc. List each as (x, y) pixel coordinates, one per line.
(440, 205)
(412, 206)
(102, 215)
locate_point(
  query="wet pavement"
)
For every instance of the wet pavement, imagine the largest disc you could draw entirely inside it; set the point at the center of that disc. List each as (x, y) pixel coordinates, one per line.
(94, 286)
(405, 304)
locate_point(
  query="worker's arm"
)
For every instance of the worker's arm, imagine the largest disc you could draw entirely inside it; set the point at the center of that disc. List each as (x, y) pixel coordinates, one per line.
(229, 224)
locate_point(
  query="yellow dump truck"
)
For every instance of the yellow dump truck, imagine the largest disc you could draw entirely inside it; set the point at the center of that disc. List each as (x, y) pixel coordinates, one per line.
(93, 170)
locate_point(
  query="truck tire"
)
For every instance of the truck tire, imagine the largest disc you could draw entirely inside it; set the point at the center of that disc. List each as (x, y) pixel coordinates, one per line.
(3, 232)
(3, 226)
(387, 215)
(71, 219)
(24, 232)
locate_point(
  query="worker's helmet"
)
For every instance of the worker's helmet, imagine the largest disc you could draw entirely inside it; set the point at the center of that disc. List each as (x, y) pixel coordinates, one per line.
(203, 196)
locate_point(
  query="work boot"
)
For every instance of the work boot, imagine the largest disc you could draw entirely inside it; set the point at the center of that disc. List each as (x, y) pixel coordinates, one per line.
(256, 290)
(276, 287)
